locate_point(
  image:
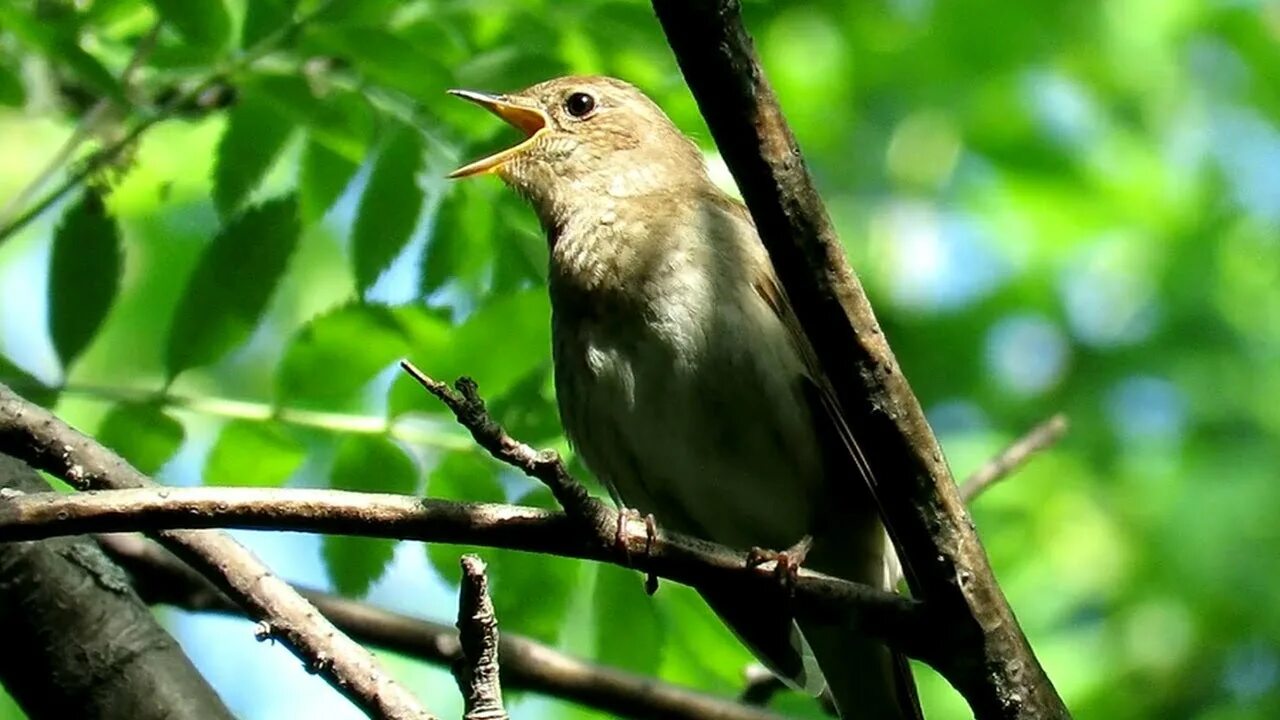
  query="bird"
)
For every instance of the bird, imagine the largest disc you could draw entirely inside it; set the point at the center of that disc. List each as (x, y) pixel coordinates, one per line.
(683, 379)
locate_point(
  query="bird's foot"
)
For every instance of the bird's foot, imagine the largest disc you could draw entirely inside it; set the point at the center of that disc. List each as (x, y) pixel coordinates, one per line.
(786, 562)
(622, 541)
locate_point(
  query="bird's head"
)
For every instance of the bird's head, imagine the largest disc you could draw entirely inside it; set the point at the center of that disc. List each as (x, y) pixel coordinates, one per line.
(585, 137)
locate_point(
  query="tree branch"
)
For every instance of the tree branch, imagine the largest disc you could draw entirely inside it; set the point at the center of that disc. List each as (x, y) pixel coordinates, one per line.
(896, 619)
(33, 434)
(526, 664)
(78, 642)
(1015, 456)
(477, 673)
(990, 662)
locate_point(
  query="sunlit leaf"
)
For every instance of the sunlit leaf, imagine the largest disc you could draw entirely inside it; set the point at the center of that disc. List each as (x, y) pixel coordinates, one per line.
(322, 176)
(389, 207)
(253, 453)
(369, 463)
(143, 434)
(255, 134)
(84, 275)
(199, 22)
(230, 286)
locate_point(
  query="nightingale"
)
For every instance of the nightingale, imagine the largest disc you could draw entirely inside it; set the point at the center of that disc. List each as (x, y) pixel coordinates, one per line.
(682, 377)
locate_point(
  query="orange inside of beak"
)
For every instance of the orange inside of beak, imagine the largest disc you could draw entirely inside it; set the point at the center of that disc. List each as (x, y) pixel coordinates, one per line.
(528, 120)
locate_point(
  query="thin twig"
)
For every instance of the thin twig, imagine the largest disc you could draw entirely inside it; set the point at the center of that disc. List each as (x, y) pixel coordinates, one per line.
(477, 675)
(526, 664)
(1015, 456)
(179, 101)
(84, 129)
(33, 434)
(544, 466)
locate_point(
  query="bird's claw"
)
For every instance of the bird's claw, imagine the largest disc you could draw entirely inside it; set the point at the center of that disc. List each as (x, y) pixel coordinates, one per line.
(622, 541)
(786, 562)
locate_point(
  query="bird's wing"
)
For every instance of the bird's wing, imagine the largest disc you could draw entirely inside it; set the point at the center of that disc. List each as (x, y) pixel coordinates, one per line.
(827, 642)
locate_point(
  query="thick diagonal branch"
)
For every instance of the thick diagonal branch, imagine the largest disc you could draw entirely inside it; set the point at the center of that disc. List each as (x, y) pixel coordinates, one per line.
(33, 434)
(990, 662)
(526, 664)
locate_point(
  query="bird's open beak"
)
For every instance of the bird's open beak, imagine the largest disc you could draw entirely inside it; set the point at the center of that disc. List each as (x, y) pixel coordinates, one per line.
(529, 120)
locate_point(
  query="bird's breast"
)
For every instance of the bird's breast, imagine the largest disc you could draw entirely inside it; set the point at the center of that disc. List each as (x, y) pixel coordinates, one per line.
(684, 398)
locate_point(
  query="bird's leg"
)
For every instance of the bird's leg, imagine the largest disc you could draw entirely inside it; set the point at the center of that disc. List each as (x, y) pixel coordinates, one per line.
(622, 536)
(622, 540)
(786, 562)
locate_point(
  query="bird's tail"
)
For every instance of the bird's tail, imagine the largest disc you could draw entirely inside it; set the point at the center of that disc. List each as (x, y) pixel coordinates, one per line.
(865, 678)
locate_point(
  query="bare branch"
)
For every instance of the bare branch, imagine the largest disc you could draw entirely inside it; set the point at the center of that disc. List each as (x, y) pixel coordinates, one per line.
(33, 434)
(545, 466)
(896, 619)
(526, 664)
(477, 674)
(990, 661)
(1015, 456)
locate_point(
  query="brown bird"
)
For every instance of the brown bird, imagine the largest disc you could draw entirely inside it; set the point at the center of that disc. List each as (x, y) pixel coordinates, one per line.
(682, 376)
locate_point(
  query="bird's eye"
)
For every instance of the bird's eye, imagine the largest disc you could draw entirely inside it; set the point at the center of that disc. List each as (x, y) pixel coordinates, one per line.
(579, 104)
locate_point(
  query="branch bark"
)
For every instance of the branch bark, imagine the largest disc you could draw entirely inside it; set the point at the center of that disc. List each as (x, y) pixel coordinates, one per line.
(78, 642)
(897, 619)
(33, 434)
(990, 663)
(477, 674)
(526, 664)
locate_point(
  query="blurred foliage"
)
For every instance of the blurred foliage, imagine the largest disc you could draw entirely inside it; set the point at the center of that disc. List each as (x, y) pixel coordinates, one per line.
(1055, 206)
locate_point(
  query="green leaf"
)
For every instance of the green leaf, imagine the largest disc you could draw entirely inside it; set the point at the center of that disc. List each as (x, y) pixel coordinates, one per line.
(461, 246)
(368, 463)
(520, 324)
(255, 134)
(519, 321)
(26, 384)
(629, 632)
(263, 17)
(389, 207)
(84, 275)
(322, 176)
(462, 476)
(531, 593)
(231, 284)
(384, 57)
(200, 22)
(12, 92)
(342, 120)
(251, 453)
(335, 355)
(58, 42)
(141, 433)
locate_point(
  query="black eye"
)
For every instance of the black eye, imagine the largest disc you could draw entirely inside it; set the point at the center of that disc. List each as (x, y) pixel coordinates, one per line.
(579, 104)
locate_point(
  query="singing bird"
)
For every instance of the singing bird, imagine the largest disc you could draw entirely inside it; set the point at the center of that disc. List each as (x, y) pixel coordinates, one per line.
(682, 376)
